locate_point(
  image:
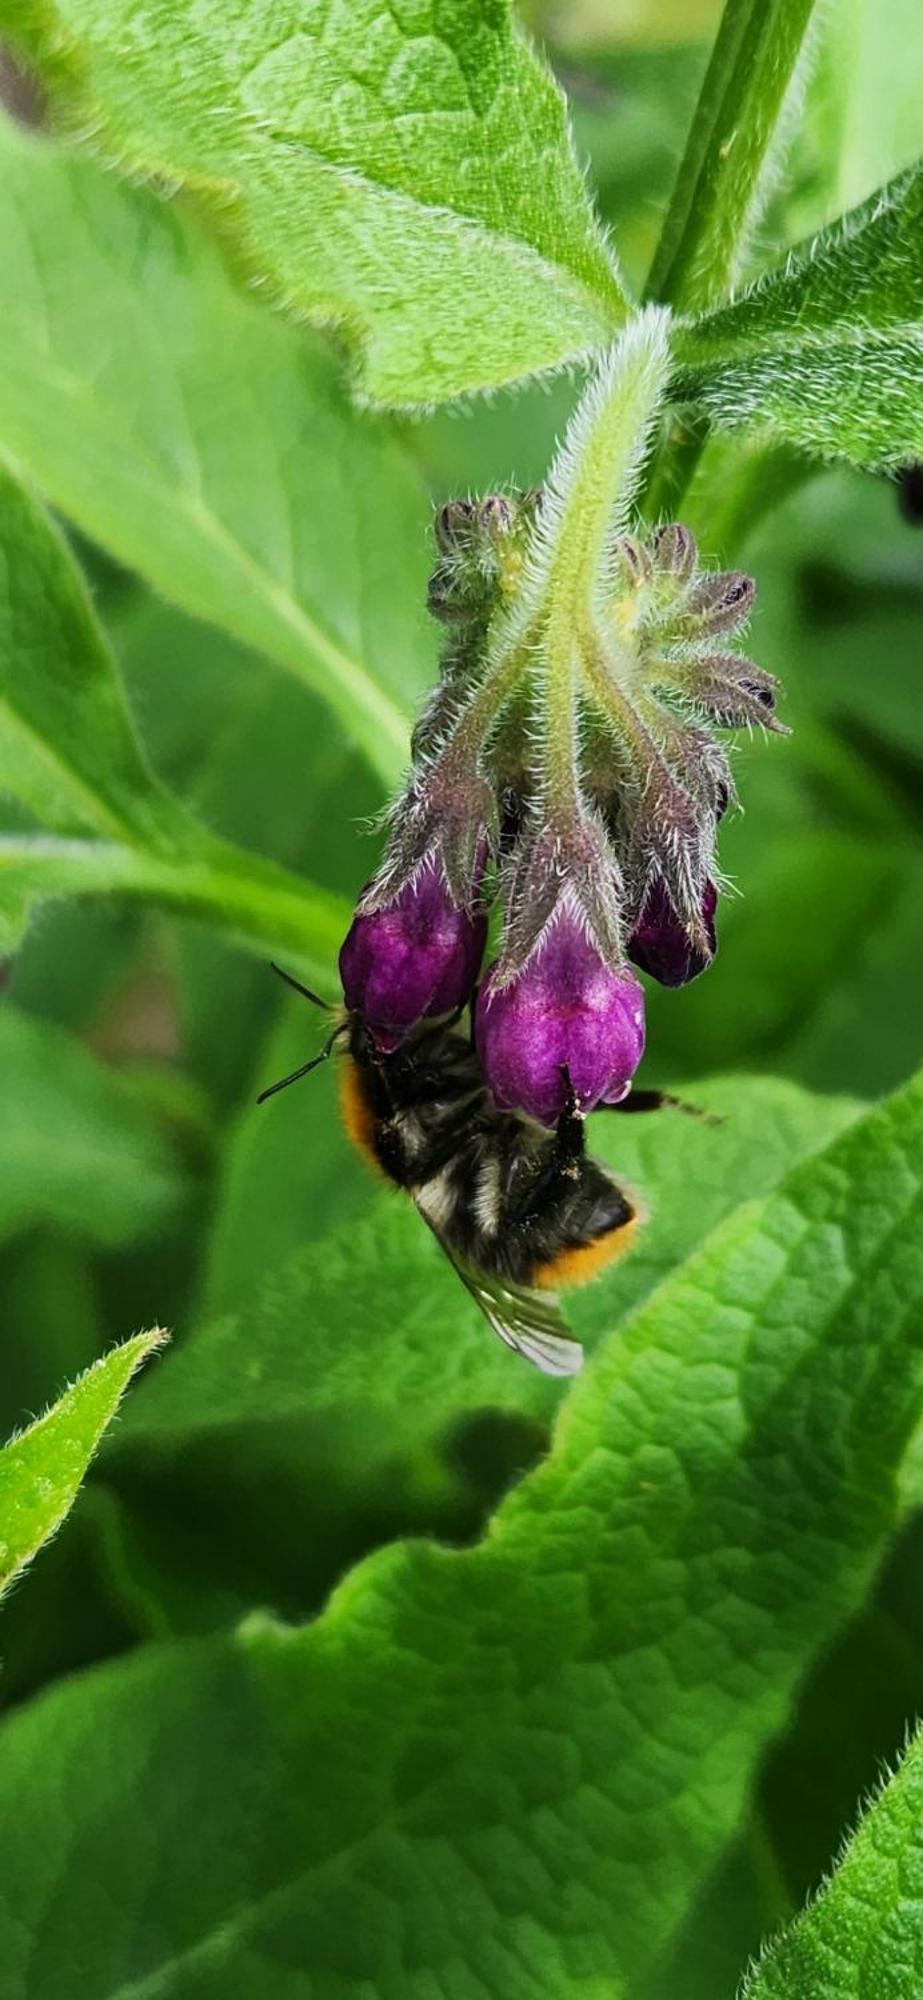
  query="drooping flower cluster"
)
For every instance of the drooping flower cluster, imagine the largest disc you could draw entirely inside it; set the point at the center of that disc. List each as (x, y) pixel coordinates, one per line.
(566, 763)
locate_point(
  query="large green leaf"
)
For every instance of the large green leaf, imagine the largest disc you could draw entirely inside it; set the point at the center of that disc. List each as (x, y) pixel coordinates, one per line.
(827, 352)
(863, 1935)
(41, 1470)
(510, 1769)
(78, 1146)
(70, 755)
(204, 443)
(68, 749)
(258, 906)
(405, 171)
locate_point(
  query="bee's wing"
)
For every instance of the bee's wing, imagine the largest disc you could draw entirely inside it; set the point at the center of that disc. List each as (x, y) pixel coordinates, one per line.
(527, 1320)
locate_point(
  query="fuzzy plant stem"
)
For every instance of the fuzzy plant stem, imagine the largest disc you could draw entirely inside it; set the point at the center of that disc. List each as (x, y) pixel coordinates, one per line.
(716, 197)
(508, 663)
(589, 491)
(719, 187)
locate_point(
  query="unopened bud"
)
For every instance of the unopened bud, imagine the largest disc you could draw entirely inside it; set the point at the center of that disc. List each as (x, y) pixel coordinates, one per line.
(674, 551)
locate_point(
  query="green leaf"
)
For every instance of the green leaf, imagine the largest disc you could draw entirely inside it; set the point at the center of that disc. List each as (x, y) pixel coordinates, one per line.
(206, 444)
(406, 172)
(827, 352)
(863, 1934)
(41, 1470)
(68, 749)
(70, 754)
(77, 1146)
(260, 907)
(509, 1769)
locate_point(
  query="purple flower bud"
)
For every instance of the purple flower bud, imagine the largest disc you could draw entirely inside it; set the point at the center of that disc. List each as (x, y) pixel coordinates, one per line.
(675, 551)
(720, 602)
(566, 1011)
(661, 945)
(454, 524)
(417, 956)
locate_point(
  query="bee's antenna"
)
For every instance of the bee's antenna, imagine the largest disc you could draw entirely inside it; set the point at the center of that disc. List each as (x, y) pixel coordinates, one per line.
(305, 991)
(307, 1067)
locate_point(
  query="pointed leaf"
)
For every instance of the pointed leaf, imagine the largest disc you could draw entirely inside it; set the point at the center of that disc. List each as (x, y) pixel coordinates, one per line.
(41, 1470)
(68, 748)
(406, 171)
(863, 1934)
(70, 754)
(827, 352)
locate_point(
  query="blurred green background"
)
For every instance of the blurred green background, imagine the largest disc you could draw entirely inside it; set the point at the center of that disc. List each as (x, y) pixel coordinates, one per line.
(818, 977)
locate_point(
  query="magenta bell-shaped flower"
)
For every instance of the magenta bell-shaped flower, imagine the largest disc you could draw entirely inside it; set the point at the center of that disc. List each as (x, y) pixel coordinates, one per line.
(418, 956)
(566, 1011)
(661, 945)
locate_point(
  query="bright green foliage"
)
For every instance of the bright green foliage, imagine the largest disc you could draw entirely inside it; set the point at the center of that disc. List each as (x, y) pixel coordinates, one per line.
(258, 906)
(78, 1145)
(404, 170)
(69, 751)
(827, 353)
(41, 1470)
(599, 1735)
(863, 1936)
(867, 103)
(204, 443)
(551, 1732)
(71, 757)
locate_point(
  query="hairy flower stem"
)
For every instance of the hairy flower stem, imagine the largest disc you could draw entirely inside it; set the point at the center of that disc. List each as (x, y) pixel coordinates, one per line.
(610, 698)
(721, 176)
(719, 186)
(587, 500)
(472, 726)
(559, 766)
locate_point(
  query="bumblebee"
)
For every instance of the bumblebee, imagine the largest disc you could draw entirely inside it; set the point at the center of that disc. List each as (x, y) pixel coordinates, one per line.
(518, 1210)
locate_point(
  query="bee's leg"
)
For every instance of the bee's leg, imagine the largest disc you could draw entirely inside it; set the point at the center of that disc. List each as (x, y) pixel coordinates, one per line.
(660, 1100)
(472, 1004)
(569, 1144)
(529, 1175)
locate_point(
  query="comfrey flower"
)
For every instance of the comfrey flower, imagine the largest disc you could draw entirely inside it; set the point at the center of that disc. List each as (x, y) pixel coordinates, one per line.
(567, 758)
(417, 956)
(567, 1029)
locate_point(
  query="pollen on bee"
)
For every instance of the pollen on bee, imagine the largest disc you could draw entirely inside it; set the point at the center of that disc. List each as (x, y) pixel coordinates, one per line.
(576, 1265)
